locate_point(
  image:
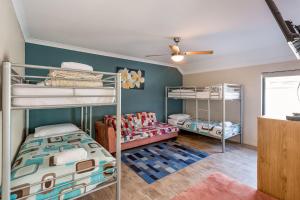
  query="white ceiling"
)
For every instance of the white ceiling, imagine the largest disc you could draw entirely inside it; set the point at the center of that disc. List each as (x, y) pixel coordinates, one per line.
(241, 32)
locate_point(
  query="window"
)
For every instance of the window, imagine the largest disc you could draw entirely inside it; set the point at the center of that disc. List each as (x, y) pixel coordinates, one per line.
(281, 94)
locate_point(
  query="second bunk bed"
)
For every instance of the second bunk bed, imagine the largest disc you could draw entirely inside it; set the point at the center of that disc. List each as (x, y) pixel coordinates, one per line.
(221, 128)
(60, 161)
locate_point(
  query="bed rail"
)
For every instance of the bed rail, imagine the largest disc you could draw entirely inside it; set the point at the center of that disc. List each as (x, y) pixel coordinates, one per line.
(72, 182)
(220, 92)
(10, 78)
(41, 77)
(213, 92)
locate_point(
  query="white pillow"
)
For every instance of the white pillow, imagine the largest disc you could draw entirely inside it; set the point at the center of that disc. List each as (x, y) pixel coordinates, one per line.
(55, 130)
(179, 116)
(76, 66)
(69, 156)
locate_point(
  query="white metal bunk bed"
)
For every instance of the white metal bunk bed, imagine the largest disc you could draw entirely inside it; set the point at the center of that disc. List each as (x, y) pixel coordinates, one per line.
(13, 98)
(221, 92)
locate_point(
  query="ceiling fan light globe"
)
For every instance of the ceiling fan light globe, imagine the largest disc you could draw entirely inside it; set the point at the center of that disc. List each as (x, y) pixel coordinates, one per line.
(177, 58)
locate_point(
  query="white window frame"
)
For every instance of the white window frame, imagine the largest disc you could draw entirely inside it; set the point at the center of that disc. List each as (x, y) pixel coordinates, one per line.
(265, 75)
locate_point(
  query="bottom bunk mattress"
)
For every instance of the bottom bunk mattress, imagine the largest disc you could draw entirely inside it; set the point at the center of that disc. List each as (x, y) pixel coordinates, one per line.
(34, 176)
(214, 128)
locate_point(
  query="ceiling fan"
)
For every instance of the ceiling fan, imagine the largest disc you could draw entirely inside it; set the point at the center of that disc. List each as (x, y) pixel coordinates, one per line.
(177, 55)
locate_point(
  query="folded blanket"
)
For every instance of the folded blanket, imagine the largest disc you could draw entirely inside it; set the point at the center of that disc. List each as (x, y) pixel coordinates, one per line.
(77, 66)
(70, 156)
(73, 75)
(183, 91)
(72, 83)
(179, 116)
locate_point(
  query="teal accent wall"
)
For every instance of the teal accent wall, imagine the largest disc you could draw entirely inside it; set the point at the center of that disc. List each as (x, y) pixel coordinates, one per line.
(152, 98)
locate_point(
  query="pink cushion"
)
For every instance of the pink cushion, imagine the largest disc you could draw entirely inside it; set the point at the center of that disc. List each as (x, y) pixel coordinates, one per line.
(220, 187)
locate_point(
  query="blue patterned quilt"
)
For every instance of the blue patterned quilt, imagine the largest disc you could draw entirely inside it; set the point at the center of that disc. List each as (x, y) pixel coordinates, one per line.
(34, 173)
(214, 128)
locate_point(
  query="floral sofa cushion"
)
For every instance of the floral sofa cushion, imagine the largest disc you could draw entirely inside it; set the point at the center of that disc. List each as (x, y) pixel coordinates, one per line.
(111, 120)
(158, 128)
(133, 121)
(164, 128)
(139, 126)
(147, 118)
(134, 136)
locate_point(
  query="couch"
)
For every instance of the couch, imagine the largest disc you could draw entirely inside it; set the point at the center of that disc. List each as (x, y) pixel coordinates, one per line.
(136, 130)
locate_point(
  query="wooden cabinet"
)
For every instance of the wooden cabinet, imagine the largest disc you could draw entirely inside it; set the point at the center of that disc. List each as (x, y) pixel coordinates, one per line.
(279, 158)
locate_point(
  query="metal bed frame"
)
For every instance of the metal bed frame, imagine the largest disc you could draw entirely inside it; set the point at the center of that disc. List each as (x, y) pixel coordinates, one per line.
(10, 77)
(219, 95)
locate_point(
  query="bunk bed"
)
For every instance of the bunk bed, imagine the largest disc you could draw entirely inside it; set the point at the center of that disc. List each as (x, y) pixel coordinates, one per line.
(219, 129)
(34, 174)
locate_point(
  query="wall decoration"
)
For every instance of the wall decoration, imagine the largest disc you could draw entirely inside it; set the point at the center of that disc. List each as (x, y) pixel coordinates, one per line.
(132, 78)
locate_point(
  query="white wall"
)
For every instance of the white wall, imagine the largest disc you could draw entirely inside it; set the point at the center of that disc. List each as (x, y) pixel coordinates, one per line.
(12, 48)
(250, 78)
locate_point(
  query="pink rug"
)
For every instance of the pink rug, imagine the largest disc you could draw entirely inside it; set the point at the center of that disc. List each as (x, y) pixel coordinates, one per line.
(217, 186)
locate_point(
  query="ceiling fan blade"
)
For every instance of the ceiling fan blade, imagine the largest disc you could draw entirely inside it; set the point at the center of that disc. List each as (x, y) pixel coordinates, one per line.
(156, 55)
(198, 52)
(174, 49)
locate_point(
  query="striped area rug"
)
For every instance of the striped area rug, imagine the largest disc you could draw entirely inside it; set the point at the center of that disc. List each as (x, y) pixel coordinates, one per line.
(155, 161)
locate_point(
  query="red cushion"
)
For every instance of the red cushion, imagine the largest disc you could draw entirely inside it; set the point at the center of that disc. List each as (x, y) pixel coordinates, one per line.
(147, 118)
(111, 120)
(133, 121)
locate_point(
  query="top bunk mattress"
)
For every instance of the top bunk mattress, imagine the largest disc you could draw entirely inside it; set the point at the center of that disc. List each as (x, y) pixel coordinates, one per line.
(34, 165)
(202, 95)
(216, 93)
(35, 95)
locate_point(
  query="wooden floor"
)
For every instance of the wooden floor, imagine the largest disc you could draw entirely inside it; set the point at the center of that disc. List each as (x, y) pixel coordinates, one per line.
(239, 162)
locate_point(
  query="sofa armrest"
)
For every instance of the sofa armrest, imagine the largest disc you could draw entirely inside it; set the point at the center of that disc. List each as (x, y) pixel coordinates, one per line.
(106, 136)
